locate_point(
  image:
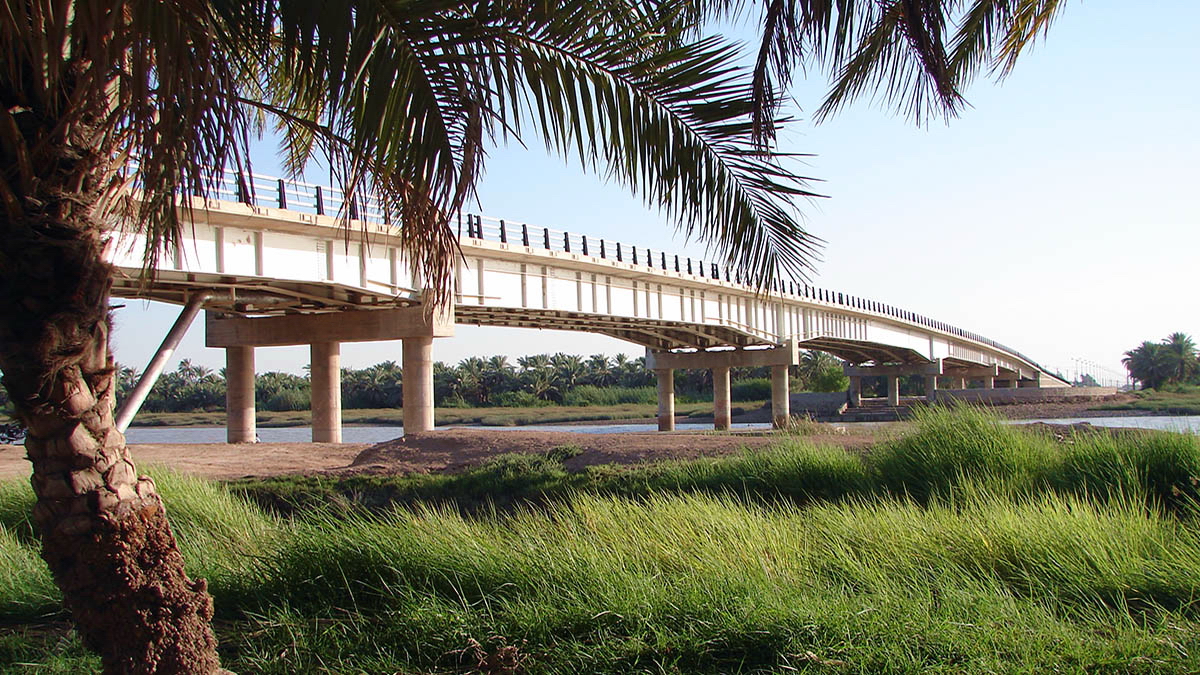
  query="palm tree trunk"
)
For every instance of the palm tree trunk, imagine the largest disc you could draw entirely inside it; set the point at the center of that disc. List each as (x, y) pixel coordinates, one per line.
(104, 532)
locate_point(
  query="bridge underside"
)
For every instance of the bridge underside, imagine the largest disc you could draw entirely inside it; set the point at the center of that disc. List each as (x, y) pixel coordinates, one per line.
(258, 296)
(653, 333)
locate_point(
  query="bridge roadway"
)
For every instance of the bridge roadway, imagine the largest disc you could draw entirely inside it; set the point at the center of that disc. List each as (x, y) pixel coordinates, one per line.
(272, 264)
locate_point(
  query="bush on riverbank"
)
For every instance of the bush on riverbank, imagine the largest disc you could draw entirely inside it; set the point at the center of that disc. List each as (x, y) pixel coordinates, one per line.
(1010, 551)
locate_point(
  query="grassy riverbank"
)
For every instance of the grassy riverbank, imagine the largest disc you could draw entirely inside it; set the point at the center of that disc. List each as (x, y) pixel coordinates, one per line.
(491, 416)
(964, 546)
(1180, 400)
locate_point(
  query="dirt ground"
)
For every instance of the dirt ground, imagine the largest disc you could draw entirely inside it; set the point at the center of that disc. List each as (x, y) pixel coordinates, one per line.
(445, 450)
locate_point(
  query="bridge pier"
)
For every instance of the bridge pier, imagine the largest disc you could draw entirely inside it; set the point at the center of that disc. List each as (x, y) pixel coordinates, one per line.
(324, 332)
(778, 359)
(417, 362)
(780, 397)
(893, 393)
(326, 377)
(721, 409)
(930, 387)
(854, 392)
(666, 398)
(240, 424)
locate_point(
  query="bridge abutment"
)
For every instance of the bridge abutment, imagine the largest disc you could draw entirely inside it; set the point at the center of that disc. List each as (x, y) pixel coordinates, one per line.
(666, 398)
(240, 426)
(326, 378)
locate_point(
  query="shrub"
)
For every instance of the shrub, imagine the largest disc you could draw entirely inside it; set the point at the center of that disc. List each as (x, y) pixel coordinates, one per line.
(519, 399)
(288, 399)
(755, 389)
(587, 394)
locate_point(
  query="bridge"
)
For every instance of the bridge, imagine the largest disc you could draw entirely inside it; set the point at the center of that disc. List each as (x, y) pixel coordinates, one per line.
(272, 263)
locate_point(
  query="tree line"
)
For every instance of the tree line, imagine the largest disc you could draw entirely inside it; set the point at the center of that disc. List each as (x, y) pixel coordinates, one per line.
(1173, 361)
(535, 380)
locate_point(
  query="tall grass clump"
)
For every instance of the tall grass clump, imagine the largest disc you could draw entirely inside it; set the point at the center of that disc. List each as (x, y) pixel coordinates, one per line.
(712, 585)
(590, 395)
(794, 470)
(948, 448)
(1162, 467)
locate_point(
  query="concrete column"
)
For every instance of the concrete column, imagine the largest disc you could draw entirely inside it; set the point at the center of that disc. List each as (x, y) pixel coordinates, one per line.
(854, 393)
(780, 397)
(721, 412)
(893, 390)
(989, 383)
(666, 398)
(418, 384)
(326, 377)
(930, 387)
(958, 383)
(1015, 382)
(239, 395)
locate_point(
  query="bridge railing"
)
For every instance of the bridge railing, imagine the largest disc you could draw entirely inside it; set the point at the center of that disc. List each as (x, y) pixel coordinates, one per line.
(270, 191)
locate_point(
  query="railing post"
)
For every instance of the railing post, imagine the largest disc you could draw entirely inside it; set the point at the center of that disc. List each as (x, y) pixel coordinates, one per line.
(282, 195)
(689, 265)
(567, 242)
(585, 249)
(635, 260)
(677, 263)
(618, 251)
(524, 234)
(320, 202)
(602, 253)
(663, 255)
(546, 237)
(353, 209)
(503, 232)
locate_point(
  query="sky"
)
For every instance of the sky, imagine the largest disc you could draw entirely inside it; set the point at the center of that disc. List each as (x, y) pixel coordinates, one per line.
(1058, 214)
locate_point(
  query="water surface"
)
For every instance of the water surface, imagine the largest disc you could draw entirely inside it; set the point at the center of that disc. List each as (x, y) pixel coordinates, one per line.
(377, 434)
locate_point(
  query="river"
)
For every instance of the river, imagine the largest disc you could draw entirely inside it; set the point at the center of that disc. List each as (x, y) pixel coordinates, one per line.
(376, 434)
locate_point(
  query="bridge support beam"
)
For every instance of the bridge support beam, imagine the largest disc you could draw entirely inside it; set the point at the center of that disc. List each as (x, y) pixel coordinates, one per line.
(930, 387)
(417, 362)
(893, 382)
(780, 397)
(666, 398)
(721, 411)
(326, 375)
(239, 395)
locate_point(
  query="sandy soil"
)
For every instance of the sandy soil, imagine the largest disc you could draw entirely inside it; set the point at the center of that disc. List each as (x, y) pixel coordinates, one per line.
(446, 450)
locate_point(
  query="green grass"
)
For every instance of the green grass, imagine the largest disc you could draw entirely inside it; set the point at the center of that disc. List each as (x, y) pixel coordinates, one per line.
(1176, 400)
(490, 416)
(963, 546)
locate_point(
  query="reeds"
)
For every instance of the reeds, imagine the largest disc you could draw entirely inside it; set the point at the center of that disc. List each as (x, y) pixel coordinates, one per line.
(965, 546)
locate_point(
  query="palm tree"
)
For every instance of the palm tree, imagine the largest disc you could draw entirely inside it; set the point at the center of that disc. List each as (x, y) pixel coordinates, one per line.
(403, 98)
(1150, 364)
(1181, 351)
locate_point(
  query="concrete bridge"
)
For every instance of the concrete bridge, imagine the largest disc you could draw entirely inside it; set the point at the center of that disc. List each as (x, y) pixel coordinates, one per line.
(271, 264)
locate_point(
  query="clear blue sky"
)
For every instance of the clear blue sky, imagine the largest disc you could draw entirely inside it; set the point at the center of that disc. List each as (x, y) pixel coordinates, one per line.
(1058, 215)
